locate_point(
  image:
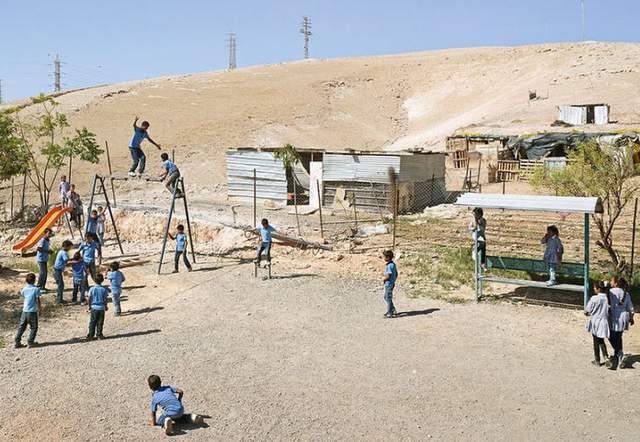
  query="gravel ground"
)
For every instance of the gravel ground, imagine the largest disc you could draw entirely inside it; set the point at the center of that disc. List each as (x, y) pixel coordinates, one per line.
(309, 357)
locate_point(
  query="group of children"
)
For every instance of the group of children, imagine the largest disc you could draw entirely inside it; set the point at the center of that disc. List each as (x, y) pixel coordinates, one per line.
(610, 312)
(71, 199)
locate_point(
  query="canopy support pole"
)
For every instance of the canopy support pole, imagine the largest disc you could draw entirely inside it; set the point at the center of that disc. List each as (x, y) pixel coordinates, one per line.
(586, 259)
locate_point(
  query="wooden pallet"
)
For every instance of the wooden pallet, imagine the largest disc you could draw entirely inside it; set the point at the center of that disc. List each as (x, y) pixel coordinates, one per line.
(508, 170)
(528, 167)
(460, 159)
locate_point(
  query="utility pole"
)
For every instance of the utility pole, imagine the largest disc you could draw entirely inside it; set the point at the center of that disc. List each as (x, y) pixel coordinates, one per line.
(305, 29)
(583, 21)
(0, 90)
(56, 74)
(232, 50)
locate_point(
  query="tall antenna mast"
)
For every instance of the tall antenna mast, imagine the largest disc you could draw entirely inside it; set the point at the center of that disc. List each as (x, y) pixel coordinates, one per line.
(583, 21)
(0, 90)
(232, 51)
(56, 74)
(305, 29)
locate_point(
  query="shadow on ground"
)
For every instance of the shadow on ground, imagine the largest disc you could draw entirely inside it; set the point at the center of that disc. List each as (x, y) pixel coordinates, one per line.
(106, 338)
(141, 311)
(417, 313)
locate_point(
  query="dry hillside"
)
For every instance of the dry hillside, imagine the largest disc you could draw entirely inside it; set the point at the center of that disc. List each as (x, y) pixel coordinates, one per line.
(390, 102)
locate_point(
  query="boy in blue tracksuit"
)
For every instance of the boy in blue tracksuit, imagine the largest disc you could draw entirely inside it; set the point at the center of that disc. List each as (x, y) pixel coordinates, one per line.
(97, 307)
(265, 231)
(140, 133)
(79, 276)
(170, 400)
(389, 280)
(92, 223)
(171, 173)
(181, 248)
(116, 278)
(88, 249)
(42, 258)
(62, 261)
(30, 309)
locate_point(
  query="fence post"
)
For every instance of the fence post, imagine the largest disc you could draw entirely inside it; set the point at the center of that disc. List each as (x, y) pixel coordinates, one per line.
(395, 218)
(24, 186)
(12, 183)
(320, 209)
(255, 197)
(633, 238)
(113, 190)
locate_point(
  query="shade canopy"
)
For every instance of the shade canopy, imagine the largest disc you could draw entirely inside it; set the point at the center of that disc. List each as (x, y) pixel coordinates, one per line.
(536, 203)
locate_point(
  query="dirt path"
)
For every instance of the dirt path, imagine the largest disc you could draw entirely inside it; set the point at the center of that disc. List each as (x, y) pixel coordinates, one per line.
(309, 357)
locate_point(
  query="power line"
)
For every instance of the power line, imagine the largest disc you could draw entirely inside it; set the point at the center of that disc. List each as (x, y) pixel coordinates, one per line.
(305, 29)
(232, 45)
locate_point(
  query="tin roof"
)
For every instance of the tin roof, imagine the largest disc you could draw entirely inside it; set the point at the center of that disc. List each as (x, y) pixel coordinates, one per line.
(536, 203)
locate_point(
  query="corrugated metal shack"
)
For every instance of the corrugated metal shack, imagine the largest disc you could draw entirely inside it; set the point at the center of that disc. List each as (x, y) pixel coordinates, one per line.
(420, 178)
(580, 114)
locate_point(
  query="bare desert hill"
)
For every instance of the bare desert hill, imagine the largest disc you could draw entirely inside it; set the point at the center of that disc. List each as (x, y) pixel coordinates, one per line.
(368, 103)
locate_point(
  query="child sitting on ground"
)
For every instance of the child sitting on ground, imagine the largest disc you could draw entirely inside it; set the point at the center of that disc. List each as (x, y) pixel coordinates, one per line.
(265, 231)
(171, 173)
(181, 248)
(389, 281)
(598, 311)
(170, 400)
(79, 275)
(30, 310)
(116, 278)
(97, 307)
(553, 252)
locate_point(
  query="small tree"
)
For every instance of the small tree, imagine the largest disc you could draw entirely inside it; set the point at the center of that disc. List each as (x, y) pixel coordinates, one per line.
(48, 148)
(14, 157)
(600, 170)
(290, 157)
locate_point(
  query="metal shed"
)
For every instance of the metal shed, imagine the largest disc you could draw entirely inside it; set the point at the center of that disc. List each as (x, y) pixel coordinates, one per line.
(580, 114)
(271, 180)
(537, 203)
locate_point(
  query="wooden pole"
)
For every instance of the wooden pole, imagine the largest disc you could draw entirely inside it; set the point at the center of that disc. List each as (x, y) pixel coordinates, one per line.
(633, 238)
(173, 155)
(355, 210)
(24, 186)
(186, 212)
(12, 184)
(395, 219)
(295, 202)
(320, 209)
(113, 190)
(168, 226)
(255, 200)
(70, 161)
(113, 220)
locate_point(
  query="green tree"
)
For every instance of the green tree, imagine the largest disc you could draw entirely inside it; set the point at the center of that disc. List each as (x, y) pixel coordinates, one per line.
(14, 157)
(602, 170)
(290, 157)
(48, 147)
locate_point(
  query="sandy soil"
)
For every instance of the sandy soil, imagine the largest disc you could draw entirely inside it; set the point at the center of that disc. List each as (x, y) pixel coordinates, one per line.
(308, 356)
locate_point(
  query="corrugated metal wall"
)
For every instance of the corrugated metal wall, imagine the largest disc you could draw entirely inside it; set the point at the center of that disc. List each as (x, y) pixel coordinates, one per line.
(364, 168)
(602, 114)
(422, 167)
(271, 181)
(573, 115)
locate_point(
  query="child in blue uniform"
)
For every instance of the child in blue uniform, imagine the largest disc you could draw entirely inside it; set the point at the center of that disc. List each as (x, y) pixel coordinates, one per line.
(92, 223)
(30, 309)
(42, 258)
(265, 231)
(88, 250)
(181, 248)
(79, 276)
(62, 261)
(171, 173)
(389, 281)
(116, 278)
(137, 155)
(170, 400)
(97, 307)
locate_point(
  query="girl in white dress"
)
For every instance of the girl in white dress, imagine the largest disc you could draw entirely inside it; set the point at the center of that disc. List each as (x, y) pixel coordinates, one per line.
(598, 311)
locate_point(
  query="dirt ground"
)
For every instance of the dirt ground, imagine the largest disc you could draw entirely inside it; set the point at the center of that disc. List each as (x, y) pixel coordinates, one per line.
(308, 356)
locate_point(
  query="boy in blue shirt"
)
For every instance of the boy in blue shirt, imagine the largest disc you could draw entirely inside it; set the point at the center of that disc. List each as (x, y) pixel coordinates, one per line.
(389, 280)
(137, 155)
(116, 278)
(88, 249)
(172, 174)
(92, 223)
(30, 309)
(181, 248)
(265, 231)
(79, 276)
(62, 260)
(170, 400)
(97, 307)
(42, 258)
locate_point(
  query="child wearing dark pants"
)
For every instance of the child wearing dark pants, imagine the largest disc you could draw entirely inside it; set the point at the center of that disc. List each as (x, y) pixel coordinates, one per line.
(598, 311)
(30, 309)
(42, 257)
(97, 307)
(181, 248)
(79, 276)
(621, 315)
(265, 231)
(170, 400)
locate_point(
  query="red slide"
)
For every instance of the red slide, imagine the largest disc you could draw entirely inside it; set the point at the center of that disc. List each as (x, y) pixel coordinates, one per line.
(49, 220)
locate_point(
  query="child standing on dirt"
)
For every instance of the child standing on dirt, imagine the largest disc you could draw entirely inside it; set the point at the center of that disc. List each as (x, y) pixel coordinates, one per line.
(79, 275)
(102, 219)
(62, 261)
(88, 249)
(621, 312)
(265, 231)
(30, 310)
(389, 281)
(97, 307)
(116, 278)
(137, 155)
(170, 400)
(181, 248)
(42, 258)
(598, 311)
(75, 204)
(63, 189)
(171, 173)
(553, 252)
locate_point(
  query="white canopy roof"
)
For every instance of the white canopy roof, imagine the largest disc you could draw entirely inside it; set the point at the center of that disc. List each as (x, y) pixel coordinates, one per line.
(537, 203)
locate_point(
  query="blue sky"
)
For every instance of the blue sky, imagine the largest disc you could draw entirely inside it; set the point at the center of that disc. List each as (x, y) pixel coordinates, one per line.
(116, 40)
